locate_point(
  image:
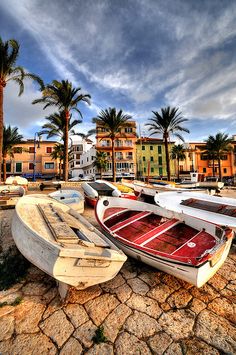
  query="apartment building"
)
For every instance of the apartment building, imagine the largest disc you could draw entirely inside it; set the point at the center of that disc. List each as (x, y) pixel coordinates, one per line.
(151, 157)
(87, 162)
(125, 149)
(77, 149)
(29, 153)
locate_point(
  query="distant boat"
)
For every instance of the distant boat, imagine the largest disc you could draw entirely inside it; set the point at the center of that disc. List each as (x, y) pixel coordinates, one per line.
(16, 180)
(178, 244)
(214, 209)
(92, 191)
(9, 195)
(72, 198)
(62, 243)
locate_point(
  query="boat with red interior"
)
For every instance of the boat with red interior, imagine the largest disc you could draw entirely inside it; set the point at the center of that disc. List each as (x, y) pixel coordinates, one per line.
(178, 244)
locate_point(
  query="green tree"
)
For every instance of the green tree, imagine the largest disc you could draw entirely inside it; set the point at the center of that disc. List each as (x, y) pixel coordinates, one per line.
(217, 146)
(177, 152)
(9, 53)
(112, 121)
(11, 137)
(58, 153)
(101, 162)
(66, 98)
(167, 122)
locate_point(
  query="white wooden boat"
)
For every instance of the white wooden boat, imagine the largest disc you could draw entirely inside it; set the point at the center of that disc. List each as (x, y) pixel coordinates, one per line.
(62, 243)
(72, 198)
(214, 209)
(12, 189)
(9, 195)
(92, 190)
(181, 245)
(16, 180)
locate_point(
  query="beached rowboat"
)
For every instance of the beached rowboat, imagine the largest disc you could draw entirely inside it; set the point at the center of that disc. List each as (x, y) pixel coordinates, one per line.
(62, 243)
(72, 198)
(181, 245)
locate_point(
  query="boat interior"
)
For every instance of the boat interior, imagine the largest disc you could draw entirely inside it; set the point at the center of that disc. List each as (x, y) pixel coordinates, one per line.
(210, 206)
(102, 188)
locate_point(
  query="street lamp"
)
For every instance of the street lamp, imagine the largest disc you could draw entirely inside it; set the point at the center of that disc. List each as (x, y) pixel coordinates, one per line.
(38, 146)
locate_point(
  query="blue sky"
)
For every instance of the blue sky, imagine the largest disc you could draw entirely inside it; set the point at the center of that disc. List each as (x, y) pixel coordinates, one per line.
(137, 55)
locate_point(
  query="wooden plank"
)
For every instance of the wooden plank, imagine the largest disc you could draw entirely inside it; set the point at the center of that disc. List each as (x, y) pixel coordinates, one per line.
(130, 220)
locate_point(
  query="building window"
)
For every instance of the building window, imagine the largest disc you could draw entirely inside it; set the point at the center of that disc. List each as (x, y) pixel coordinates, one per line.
(224, 157)
(225, 170)
(152, 170)
(128, 130)
(204, 157)
(129, 155)
(151, 147)
(181, 168)
(160, 160)
(143, 147)
(159, 149)
(17, 150)
(144, 170)
(160, 171)
(151, 159)
(8, 167)
(204, 170)
(49, 165)
(31, 166)
(144, 159)
(18, 167)
(49, 150)
(31, 149)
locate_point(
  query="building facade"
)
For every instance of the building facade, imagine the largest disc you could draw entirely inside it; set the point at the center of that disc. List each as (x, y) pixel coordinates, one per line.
(125, 149)
(78, 148)
(28, 154)
(151, 158)
(87, 162)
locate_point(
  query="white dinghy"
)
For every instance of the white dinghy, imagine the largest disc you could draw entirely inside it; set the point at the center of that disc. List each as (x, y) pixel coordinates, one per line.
(62, 243)
(72, 198)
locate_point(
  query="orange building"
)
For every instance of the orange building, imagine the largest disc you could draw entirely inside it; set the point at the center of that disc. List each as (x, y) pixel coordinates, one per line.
(24, 159)
(125, 149)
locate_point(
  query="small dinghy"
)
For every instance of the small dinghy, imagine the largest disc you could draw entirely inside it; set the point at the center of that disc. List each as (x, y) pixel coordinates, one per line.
(72, 198)
(92, 191)
(214, 209)
(16, 180)
(9, 195)
(62, 243)
(181, 245)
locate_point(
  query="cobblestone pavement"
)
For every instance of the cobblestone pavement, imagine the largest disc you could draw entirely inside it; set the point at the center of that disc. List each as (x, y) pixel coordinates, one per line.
(142, 311)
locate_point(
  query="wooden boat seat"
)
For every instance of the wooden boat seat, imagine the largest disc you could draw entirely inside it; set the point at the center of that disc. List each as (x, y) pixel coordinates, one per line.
(210, 206)
(126, 222)
(196, 246)
(145, 238)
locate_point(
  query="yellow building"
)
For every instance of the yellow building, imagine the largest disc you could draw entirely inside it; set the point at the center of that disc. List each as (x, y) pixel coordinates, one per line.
(125, 149)
(24, 159)
(151, 157)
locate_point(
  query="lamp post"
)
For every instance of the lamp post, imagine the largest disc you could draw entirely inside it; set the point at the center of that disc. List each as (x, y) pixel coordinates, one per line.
(36, 141)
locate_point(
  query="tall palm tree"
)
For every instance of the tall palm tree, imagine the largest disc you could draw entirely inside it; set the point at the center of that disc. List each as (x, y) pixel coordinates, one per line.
(9, 52)
(66, 98)
(11, 137)
(112, 120)
(101, 162)
(177, 152)
(58, 153)
(166, 123)
(217, 146)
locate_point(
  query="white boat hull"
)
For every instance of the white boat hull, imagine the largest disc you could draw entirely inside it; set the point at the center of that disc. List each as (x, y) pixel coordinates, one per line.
(71, 198)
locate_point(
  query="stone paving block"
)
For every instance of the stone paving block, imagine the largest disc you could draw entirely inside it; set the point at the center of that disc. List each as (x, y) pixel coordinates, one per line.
(224, 308)
(83, 296)
(206, 293)
(113, 283)
(228, 271)
(195, 346)
(218, 282)
(50, 294)
(6, 310)
(129, 270)
(6, 327)
(160, 292)
(28, 315)
(100, 349)
(123, 293)
(115, 321)
(229, 294)
(100, 307)
(53, 306)
(35, 274)
(141, 325)
(11, 291)
(71, 347)
(144, 304)
(179, 299)
(171, 281)
(33, 344)
(76, 314)
(85, 333)
(197, 306)
(138, 286)
(152, 278)
(35, 288)
(6, 347)
(216, 331)
(57, 327)
(128, 344)
(178, 324)
(159, 343)
(174, 349)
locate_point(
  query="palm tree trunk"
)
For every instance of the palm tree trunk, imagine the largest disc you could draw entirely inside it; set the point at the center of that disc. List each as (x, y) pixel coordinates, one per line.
(178, 168)
(4, 167)
(165, 136)
(66, 140)
(1, 126)
(220, 176)
(213, 167)
(60, 164)
(113, 159)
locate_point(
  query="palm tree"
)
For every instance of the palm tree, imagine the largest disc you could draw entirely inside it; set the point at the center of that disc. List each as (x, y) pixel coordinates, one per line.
(101, 162)
(177, 152)
(113, 121)
(9, 52)
(11, 137)
(64, 96)
(167, 122)
(58, 153)
(217, 146)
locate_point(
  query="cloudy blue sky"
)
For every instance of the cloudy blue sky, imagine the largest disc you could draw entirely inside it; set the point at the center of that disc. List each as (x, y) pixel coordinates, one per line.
(137, 55)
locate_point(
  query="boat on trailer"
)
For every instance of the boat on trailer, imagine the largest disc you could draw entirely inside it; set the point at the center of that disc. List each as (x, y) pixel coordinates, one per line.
(214, 209)
(63, 244)
(72, 198)
(178, 244)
